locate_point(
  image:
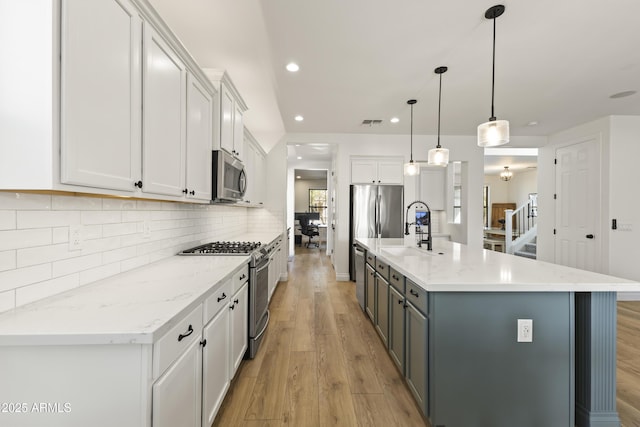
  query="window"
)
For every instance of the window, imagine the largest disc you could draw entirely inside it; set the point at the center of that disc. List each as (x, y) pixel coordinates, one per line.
(318, 203)
(457, 203)
(456, 192)
(485, 206)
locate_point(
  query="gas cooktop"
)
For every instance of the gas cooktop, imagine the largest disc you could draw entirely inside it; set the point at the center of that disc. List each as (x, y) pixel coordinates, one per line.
(223, 248)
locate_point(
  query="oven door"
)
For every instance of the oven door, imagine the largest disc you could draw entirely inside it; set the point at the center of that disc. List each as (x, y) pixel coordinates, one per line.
(258, 304)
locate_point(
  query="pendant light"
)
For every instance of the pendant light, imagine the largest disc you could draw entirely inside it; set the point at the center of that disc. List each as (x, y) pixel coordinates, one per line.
(494, 132)
(411, 168)
(506, 174)
(439, 156)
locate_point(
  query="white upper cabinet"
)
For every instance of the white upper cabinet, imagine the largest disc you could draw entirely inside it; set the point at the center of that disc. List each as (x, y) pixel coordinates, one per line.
(376, 171)
(255, 170)
(230, 109)
(100, 96)
(164, 117)
(199, 140)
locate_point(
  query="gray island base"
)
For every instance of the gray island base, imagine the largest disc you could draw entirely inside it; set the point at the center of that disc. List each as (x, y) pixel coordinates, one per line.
(476, 373)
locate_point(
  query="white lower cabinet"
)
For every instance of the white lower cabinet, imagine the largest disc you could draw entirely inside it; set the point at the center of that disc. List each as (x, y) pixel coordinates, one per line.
(177, 393)
(239, 327)
(215, 365)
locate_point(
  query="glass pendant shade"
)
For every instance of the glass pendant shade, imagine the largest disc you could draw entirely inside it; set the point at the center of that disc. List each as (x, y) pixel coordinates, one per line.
(439, 157)
(411, 168)
(506, 174)
(493, 133)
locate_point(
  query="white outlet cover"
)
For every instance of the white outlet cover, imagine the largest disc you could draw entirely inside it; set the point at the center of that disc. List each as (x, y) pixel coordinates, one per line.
(76, 237)
(525, 330)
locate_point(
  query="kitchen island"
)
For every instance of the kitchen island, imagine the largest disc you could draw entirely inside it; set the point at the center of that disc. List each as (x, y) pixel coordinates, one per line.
(467, 303)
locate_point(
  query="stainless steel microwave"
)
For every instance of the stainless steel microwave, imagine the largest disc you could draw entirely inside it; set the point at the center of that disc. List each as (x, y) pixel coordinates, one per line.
(229, 178)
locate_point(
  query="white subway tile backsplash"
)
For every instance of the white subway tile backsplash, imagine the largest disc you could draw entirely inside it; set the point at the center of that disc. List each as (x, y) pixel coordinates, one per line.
(98, 273)
(44, 254)
(100, 217)
(12, 279)
(27, 294)
(43, 219)
(7, 220)
(7, 300)
(7, 260)
(65, 203)
(35, 261)
(24, 201)
(16, 239)
(74, 265)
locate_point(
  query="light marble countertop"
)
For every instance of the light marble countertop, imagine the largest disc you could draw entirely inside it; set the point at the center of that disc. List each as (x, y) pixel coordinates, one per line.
(453, 267)
(135, 307)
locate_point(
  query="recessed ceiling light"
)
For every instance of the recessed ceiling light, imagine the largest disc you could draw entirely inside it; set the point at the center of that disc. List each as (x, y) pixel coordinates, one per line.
(532, 123)
(298, 177)
(394, 120)
(299, 158)
(623, 94)
(292, 67)
(299, 118)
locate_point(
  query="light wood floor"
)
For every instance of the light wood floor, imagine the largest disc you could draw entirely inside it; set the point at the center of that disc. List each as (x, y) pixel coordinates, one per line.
(322, 363)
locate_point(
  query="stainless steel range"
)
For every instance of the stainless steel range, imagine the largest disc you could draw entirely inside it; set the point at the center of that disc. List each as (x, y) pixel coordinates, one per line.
(258, 282)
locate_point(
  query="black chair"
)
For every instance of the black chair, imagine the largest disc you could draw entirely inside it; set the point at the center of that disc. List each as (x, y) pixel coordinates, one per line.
(309, 230)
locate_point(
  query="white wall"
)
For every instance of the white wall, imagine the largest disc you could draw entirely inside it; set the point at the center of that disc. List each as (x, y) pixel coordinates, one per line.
(521, 185)
(302, 187)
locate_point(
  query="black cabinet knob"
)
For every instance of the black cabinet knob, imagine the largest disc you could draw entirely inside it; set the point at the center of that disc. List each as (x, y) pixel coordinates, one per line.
(185, 191)
(138, 184)
(589, 236)
(192, 192)
(203, 343)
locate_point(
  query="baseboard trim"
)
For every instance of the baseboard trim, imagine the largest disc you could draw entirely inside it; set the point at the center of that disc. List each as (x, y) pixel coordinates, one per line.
(342, 277)
(628, 296)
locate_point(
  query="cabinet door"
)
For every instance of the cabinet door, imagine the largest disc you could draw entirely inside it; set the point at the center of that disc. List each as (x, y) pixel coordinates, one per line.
(226, 119)
(432, 187)
(249, 167)
(177, 393)
(260, 177)
(239, 308)
(100, 96)
(238, 132)
(199, 140)
(416, 364)
(164, 117)
(215, 365)
(364, 171)
(370, 297)
(382, 306)
(396, 328)
(390, 172)
(272, 274)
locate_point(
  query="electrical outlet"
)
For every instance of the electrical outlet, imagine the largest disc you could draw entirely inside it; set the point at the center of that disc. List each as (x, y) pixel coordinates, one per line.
(76, 237)
(525, 330)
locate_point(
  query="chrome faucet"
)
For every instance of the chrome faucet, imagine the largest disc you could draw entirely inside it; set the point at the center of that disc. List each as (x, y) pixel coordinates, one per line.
(407, 224)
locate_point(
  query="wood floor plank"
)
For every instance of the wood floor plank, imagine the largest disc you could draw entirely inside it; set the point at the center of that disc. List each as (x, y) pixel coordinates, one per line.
(334, 397)
(372, 410)
(234, 406)
(301, 398)
(267, 399)
(628, 363)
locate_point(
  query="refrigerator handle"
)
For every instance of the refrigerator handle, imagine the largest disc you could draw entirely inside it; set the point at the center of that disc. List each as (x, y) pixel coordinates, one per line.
(378, 225)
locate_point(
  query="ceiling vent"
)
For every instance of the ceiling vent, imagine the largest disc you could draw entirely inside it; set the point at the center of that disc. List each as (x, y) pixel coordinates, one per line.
(368, 122)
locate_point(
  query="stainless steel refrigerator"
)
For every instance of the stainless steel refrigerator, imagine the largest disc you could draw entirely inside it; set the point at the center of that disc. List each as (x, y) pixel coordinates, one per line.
(375, 211)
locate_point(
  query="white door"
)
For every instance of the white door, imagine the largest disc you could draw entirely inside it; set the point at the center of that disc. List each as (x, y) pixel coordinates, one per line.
(177, 393)
(578, 204)
(215, 365)
(100, 96)
(199, 140)
(239, 308)
(164, 117)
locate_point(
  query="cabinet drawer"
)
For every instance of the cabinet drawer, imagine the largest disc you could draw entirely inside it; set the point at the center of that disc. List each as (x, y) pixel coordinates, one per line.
(175, 342)
(383, 269)
(218, 299)
(396, 280)
(371, 259)
(416, 296)
(240, 278)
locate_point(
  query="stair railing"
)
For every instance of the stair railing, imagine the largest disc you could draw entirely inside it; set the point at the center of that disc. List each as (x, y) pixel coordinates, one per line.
(520, 226)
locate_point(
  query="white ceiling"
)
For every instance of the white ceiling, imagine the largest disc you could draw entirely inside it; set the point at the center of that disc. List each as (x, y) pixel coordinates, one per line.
(557, 61)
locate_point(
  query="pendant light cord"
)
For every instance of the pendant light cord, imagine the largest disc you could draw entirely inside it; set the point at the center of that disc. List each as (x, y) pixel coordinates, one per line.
(411, 139)
(493, 69)
(439, 104)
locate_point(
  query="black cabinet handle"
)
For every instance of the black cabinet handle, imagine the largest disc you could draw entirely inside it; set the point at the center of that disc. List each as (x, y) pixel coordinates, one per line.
(232, 306)
(414, 293)
(138, 184)
(242, 277)
(400, 301)
(186, 334)
(235, 301)
(203, 343)
(185, 191)
(192, 192)
(394, 277)
(222, 297)
(589, 236)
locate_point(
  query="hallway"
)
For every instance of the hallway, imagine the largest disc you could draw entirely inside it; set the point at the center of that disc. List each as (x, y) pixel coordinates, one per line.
(321, 363)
